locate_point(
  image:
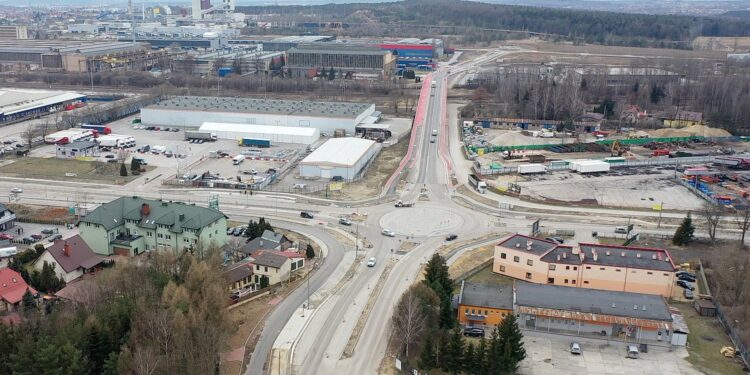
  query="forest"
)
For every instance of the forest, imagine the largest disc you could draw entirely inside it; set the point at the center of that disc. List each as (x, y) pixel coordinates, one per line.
(482, 22)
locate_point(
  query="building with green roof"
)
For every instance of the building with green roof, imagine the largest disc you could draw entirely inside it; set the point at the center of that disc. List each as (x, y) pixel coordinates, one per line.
(132, 225)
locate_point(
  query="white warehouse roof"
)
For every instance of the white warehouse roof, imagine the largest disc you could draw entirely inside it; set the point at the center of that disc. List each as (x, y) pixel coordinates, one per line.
(280, 130)
(340, 152)
(16, 100)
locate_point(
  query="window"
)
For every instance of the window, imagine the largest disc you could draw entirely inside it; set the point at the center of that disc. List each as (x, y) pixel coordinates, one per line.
(551, 267)
(266, 269)
(649, 273)
(550, 280)
(528, 275)
(473, 311)
(257, 268)
(516, 259)
(588, 267)
(502, 268)
(169, 237)
(529, 262)
(467, 310)
(485, 312)
(567, 267)
(502, 256)
(601, 268)
(585, 281)
(159, 235)
(617, 270)
(666, 274)
(149, 234)
(573, 281)
(566, 281)
(575, 268)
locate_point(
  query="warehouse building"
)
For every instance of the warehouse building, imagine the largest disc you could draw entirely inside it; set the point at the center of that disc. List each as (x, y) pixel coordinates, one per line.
(193, 111)
(275, 134)
(339, 157)
(222, 63)
(287, 42)
(19, 104)
(631, 317)
(346, 60)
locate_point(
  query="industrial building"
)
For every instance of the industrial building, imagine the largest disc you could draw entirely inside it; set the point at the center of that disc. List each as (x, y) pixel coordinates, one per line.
(75, 56)
(287, 42)
(193, 111)
(339, 157)
(630, 317)
(588, 266)
(275, 134)
(14, 32)
(248, 61)
(346, 60)
(19, 104)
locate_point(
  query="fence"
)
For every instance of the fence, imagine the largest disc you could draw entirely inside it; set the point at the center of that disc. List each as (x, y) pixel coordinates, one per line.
(696, 191)
(628, 163)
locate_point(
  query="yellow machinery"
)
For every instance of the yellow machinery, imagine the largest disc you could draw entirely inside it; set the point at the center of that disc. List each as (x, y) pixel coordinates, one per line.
(616, 149)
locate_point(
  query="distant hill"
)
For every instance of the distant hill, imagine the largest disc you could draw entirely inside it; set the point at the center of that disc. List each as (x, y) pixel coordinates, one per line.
(744, 14)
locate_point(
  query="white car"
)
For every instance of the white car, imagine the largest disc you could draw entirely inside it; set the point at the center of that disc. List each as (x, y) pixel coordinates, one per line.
(16, 190)
(388, 233)
(371, 262)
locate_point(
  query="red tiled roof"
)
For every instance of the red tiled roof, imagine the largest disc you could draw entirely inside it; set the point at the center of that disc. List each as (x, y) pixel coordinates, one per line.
(80, 254)
(12, 286)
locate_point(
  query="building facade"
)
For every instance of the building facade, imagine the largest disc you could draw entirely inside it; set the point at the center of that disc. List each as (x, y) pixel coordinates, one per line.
(276, 266)
(131, 225)
(71, 258)
(346, 61)
(590, 266)
(684, 119)
(14, 32)
(345, 158)
(77, 149)
(7, 218)
(484, 305)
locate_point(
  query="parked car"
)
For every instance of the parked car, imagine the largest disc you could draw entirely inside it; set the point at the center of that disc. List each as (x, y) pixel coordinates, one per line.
(168, 154)
(621, 230)
(388, 233)
(175, 130)
(55, 238)
(633, 352)
(575, 348)
(688, 293)
(451, 237)
(6, 236)
(474, 332)
(337, 179)
(686, 277)
(299, 186)
(371, 262)
(555, 239)
(36, 236)
(110, 156)
(678, 273)
(16, 190)
(28, 240)
(238, 231)
(48, 231)
(8, 142)
(306, 215)
(685, 284)
(230, 231)
(345, 221)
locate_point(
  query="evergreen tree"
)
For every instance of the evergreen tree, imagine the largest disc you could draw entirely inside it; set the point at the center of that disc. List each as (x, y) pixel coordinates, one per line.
(513, 351)
(135, 165)
(427, 357)
(123, 170)
(331, 74)
(494, 353)
(29, 303)
(436, 273)
(22, 362)
(264, 282)
(685, 232)
(447, 318)
(110, 364)
(454, 357)
(470, 360)
(481, 366)
(310, 252)
(442, 351)
(96, 349)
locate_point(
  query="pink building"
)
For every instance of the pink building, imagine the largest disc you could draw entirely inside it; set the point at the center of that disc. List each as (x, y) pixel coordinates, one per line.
(593, 266)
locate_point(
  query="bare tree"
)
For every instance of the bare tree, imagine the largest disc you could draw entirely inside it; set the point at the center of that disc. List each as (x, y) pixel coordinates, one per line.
(29, 134)
(731, 278)
(409, 319)
(712, 213)
(742, 219)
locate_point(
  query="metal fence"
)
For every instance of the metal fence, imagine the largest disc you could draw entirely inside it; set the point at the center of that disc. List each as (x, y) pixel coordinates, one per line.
(628, 163)
(696, 191)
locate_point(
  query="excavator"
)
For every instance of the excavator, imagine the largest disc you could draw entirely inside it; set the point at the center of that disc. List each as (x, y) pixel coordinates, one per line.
(617, 149)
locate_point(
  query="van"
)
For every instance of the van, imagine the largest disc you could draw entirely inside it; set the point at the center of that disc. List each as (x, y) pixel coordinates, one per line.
(434, 131)
(237, 160)
(371, 262)
(621, 230)
(633, 352)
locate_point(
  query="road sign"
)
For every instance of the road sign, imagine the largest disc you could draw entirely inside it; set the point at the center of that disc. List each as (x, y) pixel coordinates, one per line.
(535, 228)
(335, 186)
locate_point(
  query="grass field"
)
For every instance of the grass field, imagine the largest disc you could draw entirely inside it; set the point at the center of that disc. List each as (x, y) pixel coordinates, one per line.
(486, 276)
(76, 170)
(704, 342)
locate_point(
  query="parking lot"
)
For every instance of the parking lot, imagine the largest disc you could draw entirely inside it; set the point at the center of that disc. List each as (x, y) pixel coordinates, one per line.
(36, 230)
(550, 354)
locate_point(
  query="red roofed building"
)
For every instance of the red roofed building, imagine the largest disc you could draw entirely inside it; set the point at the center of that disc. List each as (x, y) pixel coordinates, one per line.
(12, 289)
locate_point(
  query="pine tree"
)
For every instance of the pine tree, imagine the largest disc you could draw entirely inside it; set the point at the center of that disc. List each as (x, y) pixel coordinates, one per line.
(470, 360)
(481, 365)
(310, 252)
(29, 303)
(454, 357)
(494, 353)
(427, 356)
(685, 232)
(135, 165)
(123, 170)
(442, 351)
(436, 272)
(96, 349)
(513, 351)
(447, 318)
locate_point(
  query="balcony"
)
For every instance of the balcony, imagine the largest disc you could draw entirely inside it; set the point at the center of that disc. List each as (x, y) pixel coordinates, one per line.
(125, 239)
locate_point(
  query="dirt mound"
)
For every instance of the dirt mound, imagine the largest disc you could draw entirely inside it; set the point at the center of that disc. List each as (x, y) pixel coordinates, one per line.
(695, 130)
(669, 132)
(511, 139)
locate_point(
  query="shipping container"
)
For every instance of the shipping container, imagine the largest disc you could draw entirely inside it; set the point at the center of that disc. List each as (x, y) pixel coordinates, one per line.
(531, 168)
(101, 129)
(593, 166)
(255, 142)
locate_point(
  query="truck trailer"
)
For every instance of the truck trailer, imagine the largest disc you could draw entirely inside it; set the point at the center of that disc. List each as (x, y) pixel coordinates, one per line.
(101, 129)
(116, 140)
(206, 136)
(66, 136)
(593, 166)
(477, 183)
(531, 168)
(255, 142)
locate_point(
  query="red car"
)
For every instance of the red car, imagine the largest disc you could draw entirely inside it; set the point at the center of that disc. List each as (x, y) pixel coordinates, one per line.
(6, 236)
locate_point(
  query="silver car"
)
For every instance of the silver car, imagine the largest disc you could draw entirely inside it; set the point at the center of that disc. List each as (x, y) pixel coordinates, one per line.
(575, 348)
(388, 233)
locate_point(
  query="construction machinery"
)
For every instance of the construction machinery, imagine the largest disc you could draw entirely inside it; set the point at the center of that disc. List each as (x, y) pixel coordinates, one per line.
(616, 149)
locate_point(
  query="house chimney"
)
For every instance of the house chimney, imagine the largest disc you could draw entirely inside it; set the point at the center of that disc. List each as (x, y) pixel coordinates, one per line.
(653, 256)
(635, 307)
(608, 252)
(182, 217)
(613, 305)
(576, 250)
(643, 308)
(66, 249)
(622, 254)
(594, 255)
(565, 255)
(145, 209)
(528, 245)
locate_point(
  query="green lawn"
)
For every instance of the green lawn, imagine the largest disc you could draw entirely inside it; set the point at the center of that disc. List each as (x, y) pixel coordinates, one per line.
(68, 170)
(705, 340)
(488, 277)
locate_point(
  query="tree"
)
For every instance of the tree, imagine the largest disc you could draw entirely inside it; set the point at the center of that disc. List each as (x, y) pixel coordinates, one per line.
(742, 219)
(513, 351)
(480, 96)
(135, 165)
(309, 252)
(46, 280)
(470, 359)
(427, 359)
(123, 170)
(481, 365)
(685, 232)
(438, 279)
(29, 303)
(453, 359)
(237, 66)
(409, 319)
(712, 213)
(264, 282)
(331, 74)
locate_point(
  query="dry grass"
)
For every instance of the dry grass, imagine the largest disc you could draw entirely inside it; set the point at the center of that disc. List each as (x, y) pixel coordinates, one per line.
(56, 169)
(34, 212)
(722, 44)
(470, 260)
(706, 338)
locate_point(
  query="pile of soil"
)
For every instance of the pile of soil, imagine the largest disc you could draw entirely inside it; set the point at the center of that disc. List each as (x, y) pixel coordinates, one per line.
(695, 130)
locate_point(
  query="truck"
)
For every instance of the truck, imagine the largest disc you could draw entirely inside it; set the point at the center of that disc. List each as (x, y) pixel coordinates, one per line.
(401, 203)
(255, 142)
(477, 183)
(101, 129)
(593, 166)
(116, 141)
(531, 168)
(66, 136)
(237, 160)
(434, 83)
(10, 251)
(206, 136)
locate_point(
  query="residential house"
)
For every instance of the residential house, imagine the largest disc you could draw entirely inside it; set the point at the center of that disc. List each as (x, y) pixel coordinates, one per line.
(591, 117)
(71, 258)
(239, 276)
(684, 119)
(632, 317)
(277, 266)
(7, 218)
(590, 266)
(267, 241)
(12, 289)
(484, 304)
(632, 114)
(77, 149)
(133, 225)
